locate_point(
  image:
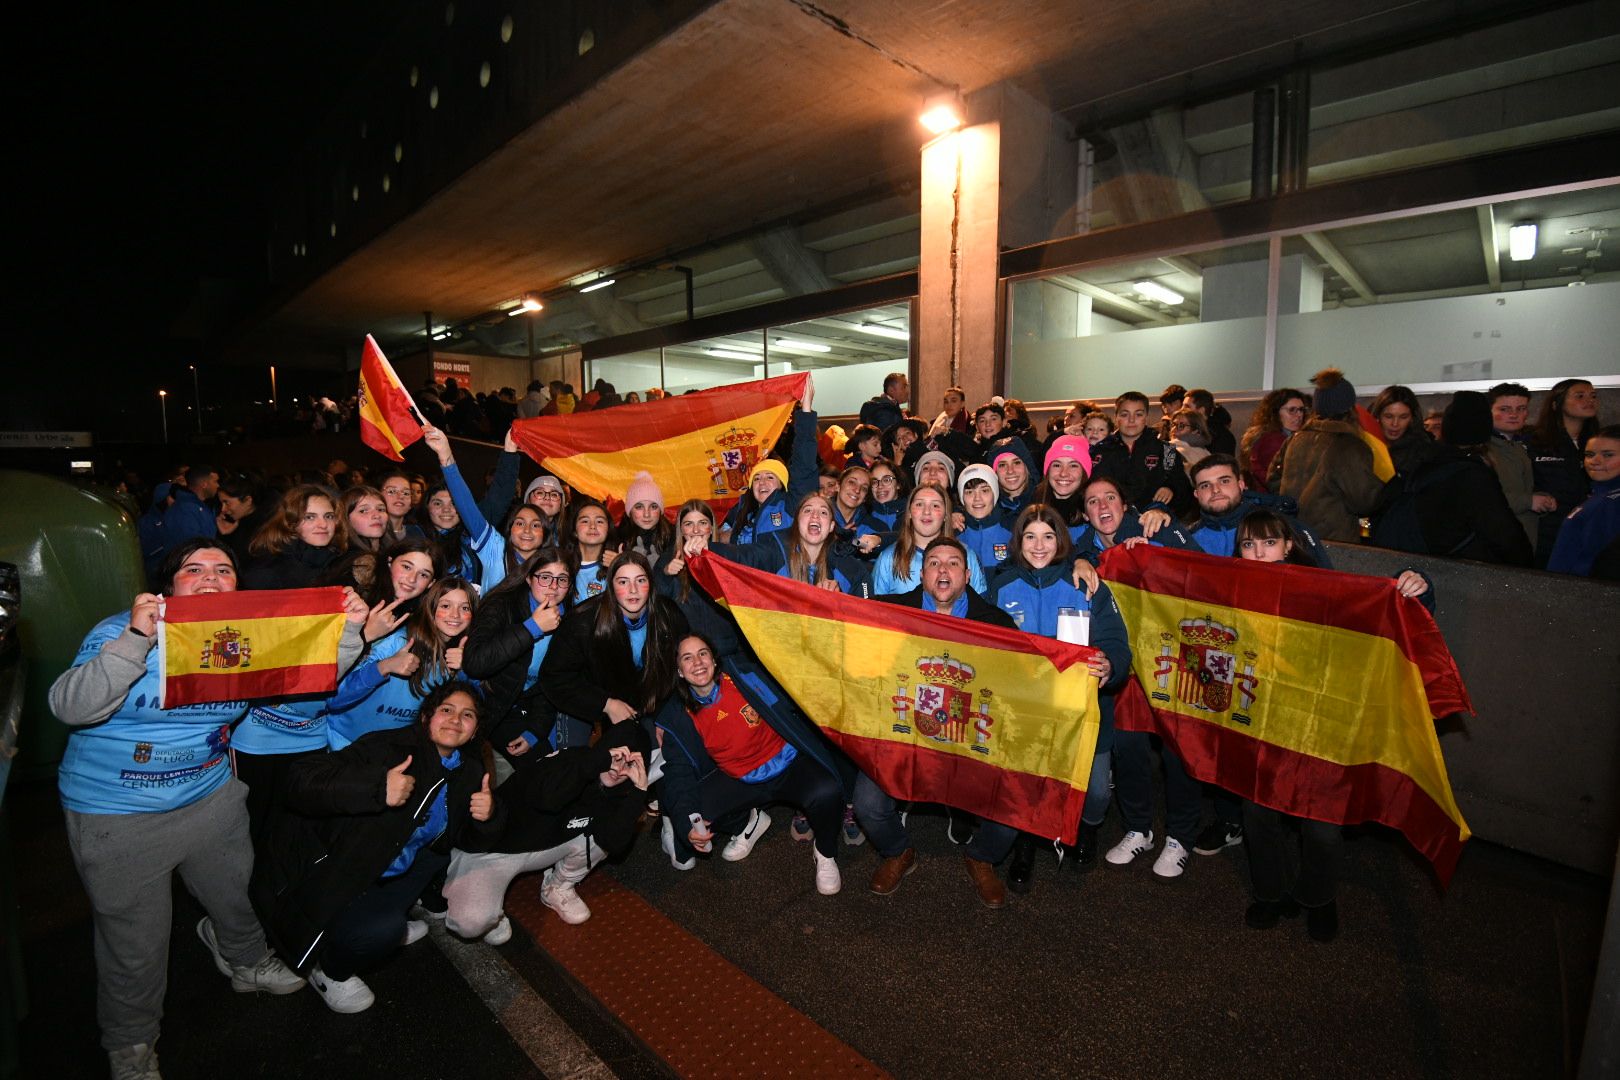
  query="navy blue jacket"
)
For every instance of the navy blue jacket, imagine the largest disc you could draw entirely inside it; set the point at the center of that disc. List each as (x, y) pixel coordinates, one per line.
(1088, 544)
(187, 517)
(882, 413)
(770, 555)
(776, 512)
(687, 762)
(1217, 533)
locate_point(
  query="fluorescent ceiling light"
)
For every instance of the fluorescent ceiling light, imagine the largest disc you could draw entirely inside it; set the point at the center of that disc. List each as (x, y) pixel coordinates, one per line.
(519, 310)
(732, 354)
(1154, 291)
(1522, 242)
(599, 283)
(794, 345)
(879, 330)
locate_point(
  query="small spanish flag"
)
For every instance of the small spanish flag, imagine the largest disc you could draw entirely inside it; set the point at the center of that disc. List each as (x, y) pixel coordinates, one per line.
(389, 421)
(1313, 692)
(997, 722)
(244, 646)
(699, 446)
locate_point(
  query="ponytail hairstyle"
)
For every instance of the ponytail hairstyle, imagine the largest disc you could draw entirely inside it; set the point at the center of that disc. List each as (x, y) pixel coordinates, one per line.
(424, 639)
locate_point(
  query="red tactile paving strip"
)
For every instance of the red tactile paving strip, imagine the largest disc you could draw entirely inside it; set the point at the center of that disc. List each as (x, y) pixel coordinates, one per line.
(687, 1004)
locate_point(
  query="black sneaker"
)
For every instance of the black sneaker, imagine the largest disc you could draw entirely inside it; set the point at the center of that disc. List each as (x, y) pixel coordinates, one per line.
(1217, 838)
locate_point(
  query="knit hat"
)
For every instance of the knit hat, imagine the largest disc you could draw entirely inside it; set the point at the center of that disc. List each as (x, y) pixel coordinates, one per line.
(1335, 399)
(1070, 446)
(643, 489)
(543, 483)
(978, 472)
(1467, 421)
(772, 466)
(1017, 447)
(940, 457)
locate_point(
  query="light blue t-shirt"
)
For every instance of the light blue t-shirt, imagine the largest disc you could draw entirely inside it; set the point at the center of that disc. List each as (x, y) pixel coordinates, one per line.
(367, 700)
(885, 580)
(144, 758)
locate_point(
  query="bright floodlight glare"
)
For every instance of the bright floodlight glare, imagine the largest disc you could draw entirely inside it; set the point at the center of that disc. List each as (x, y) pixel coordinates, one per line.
(532, 304)
(793, 345)
(941, 118)
(599, 283)
(1522, 242)
(1154, 291)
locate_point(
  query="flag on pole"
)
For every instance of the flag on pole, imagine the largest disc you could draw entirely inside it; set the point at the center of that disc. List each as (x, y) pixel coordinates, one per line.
(699, 446)
(241, 646)
(934, 708)
(1309, 691)
(389, 421)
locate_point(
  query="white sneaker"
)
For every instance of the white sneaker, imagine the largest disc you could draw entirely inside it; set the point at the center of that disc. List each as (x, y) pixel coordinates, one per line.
(1172, 860)
(828, 879)
(1129, 847)
(666, 840)
(415, 930)
(269, 974)
(500, 933)
(560, 897)
(134, 1063)
(351, 995)
(738, 847)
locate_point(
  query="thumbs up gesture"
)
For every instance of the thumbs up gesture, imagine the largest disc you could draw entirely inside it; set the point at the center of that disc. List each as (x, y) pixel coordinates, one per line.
(483, 803)
(400, 783)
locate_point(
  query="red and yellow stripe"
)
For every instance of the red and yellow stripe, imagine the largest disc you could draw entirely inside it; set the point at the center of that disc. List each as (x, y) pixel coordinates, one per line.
(388, 423)
(934, 708)
(242, 646)
(1310, 691)
(699, 446)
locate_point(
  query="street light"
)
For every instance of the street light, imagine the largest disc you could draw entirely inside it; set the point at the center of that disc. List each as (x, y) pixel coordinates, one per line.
(197, 394)
(163, 400)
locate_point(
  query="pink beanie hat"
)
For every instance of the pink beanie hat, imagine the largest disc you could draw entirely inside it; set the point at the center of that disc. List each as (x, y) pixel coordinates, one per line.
(1069, 446)
(645, 489)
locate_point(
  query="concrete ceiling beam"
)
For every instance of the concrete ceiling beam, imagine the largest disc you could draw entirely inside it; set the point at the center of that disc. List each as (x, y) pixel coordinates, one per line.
(1335, 258)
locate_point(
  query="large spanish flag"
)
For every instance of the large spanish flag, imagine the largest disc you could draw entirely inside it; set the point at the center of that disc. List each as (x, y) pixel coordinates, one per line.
(242, 646)
(389, 421)
(993, 721)
(699, 446)
(1310, 691)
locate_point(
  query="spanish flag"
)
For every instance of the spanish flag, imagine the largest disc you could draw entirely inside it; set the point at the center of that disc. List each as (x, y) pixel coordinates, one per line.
(699, 446)
(389, 421)
(935, 708)
(243, 646)
(1309, 691)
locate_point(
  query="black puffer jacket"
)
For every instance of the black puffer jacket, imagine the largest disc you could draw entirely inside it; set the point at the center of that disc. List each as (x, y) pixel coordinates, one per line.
(337, 833)
(578, 676)
(1464, 513)
(561, 796)
(499, 648)
(299, 566)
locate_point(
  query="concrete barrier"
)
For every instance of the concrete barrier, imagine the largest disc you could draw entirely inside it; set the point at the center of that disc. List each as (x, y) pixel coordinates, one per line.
(1538, 769)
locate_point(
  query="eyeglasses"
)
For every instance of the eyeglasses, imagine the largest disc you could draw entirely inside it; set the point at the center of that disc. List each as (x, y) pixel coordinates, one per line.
(559, 580)
(885, 481)
(1292, 408)
(401, 492)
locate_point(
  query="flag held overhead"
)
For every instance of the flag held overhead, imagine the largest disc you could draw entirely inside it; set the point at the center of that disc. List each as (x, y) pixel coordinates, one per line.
(389, 421)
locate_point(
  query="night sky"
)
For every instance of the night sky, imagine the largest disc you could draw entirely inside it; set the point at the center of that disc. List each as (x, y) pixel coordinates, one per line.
(149, 137)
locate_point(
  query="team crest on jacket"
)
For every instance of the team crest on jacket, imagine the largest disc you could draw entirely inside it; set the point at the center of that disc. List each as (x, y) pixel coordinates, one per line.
(229, 648)
(738, 451)
(941, 703)
(143, 753)
(1000, 551)
(1198, 667)
(750, 715)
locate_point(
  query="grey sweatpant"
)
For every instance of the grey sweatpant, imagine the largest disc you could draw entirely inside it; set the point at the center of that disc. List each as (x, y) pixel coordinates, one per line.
(476, 884)
(125, 861)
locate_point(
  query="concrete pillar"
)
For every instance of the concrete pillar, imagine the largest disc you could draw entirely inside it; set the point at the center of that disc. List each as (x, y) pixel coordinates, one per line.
(1006, 179)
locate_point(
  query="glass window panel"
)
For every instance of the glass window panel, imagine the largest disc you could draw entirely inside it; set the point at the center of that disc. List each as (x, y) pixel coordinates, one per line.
(1196, 319)
(716, 361)
(629, 371)
(1439, 299)
(848, 354)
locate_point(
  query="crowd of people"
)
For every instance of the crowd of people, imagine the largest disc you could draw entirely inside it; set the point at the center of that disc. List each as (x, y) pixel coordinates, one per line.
(531, 677)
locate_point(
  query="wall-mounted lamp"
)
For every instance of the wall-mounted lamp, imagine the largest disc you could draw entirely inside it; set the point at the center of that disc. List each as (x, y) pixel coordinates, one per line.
(1522, 241)
(942, 112)
(531, 302)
